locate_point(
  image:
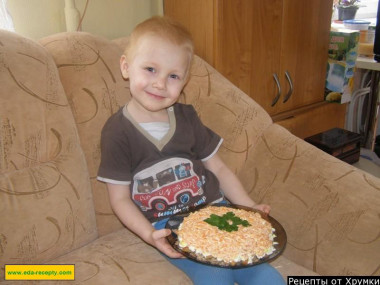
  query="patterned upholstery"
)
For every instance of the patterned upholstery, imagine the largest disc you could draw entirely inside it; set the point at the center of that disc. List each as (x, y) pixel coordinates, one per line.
(89, 71)
(46, 206)
(49, 195)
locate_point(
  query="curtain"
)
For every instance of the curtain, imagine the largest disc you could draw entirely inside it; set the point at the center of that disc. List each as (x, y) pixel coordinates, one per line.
(6, 22)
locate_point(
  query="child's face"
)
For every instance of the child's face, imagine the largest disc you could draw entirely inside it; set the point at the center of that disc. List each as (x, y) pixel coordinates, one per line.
(157, 72)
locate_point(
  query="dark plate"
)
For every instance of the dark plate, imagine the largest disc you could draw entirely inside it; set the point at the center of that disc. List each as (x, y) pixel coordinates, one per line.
(174, 222)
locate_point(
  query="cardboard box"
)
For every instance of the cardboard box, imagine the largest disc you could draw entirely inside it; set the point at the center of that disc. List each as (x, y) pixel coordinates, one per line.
(343, 51)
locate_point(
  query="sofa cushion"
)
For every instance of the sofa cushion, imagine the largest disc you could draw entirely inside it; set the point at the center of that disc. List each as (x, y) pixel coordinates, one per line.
(88, 66)
(287, 268)
(46, 205)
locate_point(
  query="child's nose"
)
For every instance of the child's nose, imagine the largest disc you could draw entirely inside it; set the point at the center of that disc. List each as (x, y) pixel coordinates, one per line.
(159, 83)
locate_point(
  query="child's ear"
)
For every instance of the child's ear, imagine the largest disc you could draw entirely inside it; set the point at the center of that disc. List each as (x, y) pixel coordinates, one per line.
(124, 67)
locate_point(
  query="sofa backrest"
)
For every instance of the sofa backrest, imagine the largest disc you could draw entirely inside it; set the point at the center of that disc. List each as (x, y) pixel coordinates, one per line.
(46, 205)
(89, 70)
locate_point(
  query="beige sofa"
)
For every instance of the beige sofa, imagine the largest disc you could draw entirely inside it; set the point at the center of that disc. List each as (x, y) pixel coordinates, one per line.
(56, 96)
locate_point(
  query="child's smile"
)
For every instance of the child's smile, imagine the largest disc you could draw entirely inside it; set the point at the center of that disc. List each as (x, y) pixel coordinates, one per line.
(155, 96)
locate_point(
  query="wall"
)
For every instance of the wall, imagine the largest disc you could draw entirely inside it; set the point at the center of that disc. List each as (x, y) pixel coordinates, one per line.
(109, 18)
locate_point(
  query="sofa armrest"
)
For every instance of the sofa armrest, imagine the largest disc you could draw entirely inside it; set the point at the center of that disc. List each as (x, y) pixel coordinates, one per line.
(329, 209)
(46, 207)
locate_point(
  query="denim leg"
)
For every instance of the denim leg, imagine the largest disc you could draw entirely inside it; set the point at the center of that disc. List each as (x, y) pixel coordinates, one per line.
(202, 274)
(263, 274)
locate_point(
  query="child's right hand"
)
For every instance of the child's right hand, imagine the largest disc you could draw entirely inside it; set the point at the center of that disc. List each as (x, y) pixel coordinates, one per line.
(162, 244)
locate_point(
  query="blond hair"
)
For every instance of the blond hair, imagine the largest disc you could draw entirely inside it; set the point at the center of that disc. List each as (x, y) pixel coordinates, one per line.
(163, 27)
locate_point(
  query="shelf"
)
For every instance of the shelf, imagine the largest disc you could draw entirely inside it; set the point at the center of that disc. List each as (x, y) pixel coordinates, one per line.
(367, 63)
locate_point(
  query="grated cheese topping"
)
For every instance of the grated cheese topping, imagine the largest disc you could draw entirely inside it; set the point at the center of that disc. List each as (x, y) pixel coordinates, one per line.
(246, 245)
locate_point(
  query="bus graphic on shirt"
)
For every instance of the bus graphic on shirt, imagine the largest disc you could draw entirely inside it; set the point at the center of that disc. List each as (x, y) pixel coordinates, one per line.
(172, 181)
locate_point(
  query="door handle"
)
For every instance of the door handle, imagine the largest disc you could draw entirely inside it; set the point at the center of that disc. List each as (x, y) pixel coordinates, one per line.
(278, 88)
(290, 92)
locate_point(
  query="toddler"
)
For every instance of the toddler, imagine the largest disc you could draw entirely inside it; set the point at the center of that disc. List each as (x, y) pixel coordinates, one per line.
(154, 146)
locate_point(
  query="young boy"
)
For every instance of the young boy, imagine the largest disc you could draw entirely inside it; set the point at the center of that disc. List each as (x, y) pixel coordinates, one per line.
(153, 146)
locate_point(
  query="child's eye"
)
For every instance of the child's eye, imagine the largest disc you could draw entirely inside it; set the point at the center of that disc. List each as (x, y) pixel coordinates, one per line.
(150, 69)
(174, 76)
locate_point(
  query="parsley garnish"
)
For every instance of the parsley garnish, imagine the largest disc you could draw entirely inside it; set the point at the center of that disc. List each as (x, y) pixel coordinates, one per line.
(228, 222)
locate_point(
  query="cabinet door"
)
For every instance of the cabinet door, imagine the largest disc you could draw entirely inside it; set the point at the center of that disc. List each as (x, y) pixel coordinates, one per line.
(275, 51)
(304, 48)
(248, 45)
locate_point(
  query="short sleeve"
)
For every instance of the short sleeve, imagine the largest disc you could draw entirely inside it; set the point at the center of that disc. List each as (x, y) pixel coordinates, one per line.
(207, 141)
(115, 166)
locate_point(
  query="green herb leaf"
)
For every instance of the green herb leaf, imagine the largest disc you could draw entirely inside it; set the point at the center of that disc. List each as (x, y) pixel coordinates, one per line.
(228, 222)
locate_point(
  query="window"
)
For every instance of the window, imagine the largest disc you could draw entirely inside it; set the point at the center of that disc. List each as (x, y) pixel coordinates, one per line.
(6, 22)
(368, 10)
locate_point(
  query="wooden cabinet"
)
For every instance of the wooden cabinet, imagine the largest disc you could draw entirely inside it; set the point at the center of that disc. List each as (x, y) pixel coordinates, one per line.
(275, 51)
(318, 118)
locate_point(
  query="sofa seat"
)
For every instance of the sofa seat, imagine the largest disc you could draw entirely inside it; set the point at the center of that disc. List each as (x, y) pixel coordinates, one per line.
(121, 258)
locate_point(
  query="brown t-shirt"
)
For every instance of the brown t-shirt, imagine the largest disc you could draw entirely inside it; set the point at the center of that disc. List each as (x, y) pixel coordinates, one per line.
(166, 176)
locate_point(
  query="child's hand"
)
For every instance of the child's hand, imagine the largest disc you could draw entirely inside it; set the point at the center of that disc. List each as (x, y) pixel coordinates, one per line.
(263, 208)
(161, 243)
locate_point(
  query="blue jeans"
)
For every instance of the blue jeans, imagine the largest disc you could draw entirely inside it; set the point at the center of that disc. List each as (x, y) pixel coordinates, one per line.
(202, 274)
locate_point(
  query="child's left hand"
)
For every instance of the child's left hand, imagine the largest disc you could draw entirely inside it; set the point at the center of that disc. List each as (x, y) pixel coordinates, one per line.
(263, 208)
